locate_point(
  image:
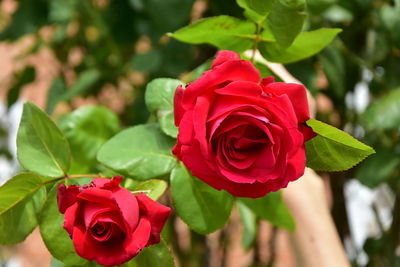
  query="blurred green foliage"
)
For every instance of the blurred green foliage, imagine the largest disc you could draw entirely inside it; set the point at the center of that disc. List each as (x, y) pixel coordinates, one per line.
(119, 38)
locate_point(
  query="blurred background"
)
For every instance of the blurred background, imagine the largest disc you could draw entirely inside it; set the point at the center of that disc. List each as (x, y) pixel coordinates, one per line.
(62, 54)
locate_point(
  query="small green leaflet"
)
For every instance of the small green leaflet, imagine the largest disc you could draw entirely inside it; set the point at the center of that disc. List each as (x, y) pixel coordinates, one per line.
(224, 32)
(21, 199)
(286, 21)
(41, 146)
(305, 45)
(87, 129)
(158, 255)
(203, 208)
(333, 149)
(160, 94)
(159, 99)
(141, 152)
(153, 188)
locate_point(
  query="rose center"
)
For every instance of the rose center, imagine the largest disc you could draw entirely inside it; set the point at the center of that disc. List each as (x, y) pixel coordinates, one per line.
(100, 229)
(251, 140)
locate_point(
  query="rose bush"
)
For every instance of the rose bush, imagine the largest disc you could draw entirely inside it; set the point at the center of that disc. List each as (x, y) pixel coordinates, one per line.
(241, 134)
(107, 223)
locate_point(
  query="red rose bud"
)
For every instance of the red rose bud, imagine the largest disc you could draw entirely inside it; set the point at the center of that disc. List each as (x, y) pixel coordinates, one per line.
(107, 223)
(241, 134)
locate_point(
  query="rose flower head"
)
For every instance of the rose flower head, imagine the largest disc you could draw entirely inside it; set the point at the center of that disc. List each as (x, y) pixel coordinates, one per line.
(107, 223)
(240, 133)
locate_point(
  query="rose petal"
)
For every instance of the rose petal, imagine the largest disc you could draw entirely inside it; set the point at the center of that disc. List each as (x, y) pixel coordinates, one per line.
(229, 71)
(69, 218)
(101, 252)
(128, 207)
(157, 215)
(138, 240)
(223, 56)
(66, 196)
(113, 183)
(95, 194)
(200, 112)
(178, 109)
(267, 80)
(297, 94)
(241, 88)
(92, 209)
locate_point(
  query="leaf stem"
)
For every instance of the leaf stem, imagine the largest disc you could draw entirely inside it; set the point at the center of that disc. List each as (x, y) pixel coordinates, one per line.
(256, 41)
(257, 37)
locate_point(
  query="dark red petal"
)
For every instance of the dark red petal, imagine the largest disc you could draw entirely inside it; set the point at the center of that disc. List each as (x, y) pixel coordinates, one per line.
(223, 56)
(139, 239)
(101, 252)
(113, 183)
(69, 218)
(178, 109)
(98, 195)
(267, 80)
(128, 206)
(296, 165)
(90, 210)
(200, 112)
(241, 88)
(307, 131)
(157, 215)
(297, 94)
(66, 196)
(229, 71)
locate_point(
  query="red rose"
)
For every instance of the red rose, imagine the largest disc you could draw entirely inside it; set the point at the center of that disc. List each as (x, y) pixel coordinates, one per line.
(241, 134)
(107, 223)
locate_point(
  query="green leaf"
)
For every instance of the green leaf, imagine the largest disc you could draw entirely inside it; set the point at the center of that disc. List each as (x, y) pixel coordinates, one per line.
(167, 124)
(383, 113)
(41, 147)
(224, 32)
(87, 129)
(55, 237)
(200, 206)
(261, 7)
(271, 208)
(256, 10)
(305, 45)
(378, 168)
(154, 188)
(17, 189)
(141, 152)
(158, 255)
(286, 21)
(249, 220)
(84, 82)
(56, 90)
(333, 149)
(160, 94)
(160, 100)
(21, 198)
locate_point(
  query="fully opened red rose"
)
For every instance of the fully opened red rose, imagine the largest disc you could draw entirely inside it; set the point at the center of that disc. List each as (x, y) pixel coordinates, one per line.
(240, 133)
(107, 223)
